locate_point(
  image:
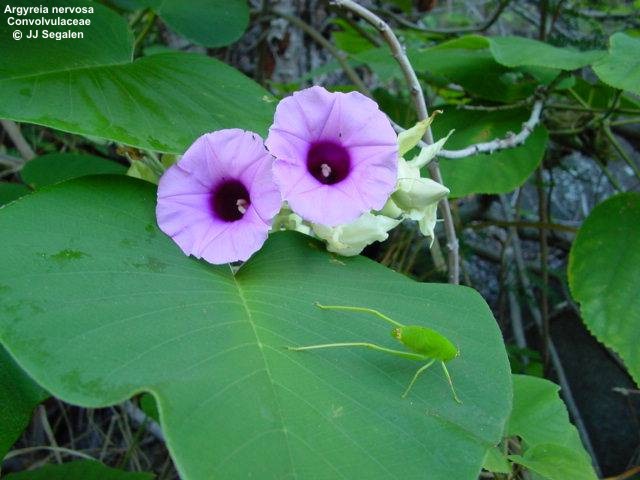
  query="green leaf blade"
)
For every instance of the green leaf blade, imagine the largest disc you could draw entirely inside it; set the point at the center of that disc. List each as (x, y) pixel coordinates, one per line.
(212, 23)
(107, 41)
(551, 444)
(12, 191)
(92, 86)
(604, 276)
(58, 167)
(162, 102)
(513, 51)
(19, 395)
(620, 68)
(133, 314)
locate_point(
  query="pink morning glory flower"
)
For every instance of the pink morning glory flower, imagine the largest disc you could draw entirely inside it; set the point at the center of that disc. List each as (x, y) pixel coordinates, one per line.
(336, 155)
(217, 202)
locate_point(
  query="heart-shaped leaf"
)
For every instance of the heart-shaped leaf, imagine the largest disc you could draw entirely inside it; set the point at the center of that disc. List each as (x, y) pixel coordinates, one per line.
(604, 276)
(11, 191)
(58, 167)
(620, 68)
(91, 86)
(100, 305)
(213, 23)
(513, 51)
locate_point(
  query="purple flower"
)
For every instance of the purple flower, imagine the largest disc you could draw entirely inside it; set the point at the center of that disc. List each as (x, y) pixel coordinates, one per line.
(217, 202)
(336, 155)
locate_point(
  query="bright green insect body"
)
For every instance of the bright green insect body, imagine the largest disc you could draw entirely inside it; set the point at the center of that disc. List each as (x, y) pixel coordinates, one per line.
(425, 344)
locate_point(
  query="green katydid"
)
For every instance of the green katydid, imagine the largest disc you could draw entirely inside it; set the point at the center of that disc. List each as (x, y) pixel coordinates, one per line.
(425, 344)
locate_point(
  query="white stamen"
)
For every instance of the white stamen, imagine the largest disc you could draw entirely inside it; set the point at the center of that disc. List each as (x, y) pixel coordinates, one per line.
(325, 170)
(242, 205)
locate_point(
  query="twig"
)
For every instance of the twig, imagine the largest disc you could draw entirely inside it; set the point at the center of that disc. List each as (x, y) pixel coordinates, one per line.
(362, 31)
(606, 15)
(319, 38)
(417, 95)
(46, 426)
(496, 108)
(531, 18)
(620, 149)
(140, 418)
(628, 474)
(9, 161)
(151, 19)
(624, 121)
(509, 141)
(13, 130)
(543, 215)
(517, 325)
(137, 16)
(453, 30)
(523, 224)
(562, 106)
(65, 451)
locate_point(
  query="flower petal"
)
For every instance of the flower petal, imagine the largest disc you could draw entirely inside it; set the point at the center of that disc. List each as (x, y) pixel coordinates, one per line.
(351, 123)
(225, 166)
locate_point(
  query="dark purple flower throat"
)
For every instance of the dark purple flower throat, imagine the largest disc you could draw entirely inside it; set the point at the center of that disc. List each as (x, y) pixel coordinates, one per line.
(328, 162)
(230, 200)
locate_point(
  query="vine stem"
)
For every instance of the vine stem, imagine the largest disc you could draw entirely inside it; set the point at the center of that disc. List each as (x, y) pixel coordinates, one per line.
(326, 44)
(13, 131)
(398, 53)
(450, 31)
(510, 141)
(554, 357)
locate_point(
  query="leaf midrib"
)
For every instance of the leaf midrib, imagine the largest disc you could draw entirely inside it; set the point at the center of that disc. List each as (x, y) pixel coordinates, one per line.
(267, 371)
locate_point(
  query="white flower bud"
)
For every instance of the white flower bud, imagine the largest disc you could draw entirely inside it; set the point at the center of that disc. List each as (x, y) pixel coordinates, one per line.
(409, 138)
(351, 238)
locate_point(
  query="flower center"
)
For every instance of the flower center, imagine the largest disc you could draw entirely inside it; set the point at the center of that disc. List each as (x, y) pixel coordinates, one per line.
(328, 162)
(230, 200)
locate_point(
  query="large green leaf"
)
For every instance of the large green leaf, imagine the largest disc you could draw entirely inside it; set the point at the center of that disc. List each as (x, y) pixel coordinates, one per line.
(81, 470)
(497, 172)
(457, 61)
(551, 444)
(212, 23)
(90, 86)
(100, 305)
(19, 395)
(604, 276)
(58, 167)
(555, 462)
(107, 41)
(514, 51)
(620, 68)
(539, 416)
(162, 102)
(11, 191)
